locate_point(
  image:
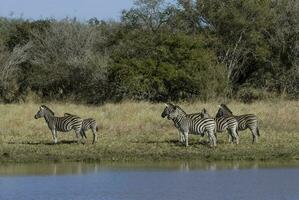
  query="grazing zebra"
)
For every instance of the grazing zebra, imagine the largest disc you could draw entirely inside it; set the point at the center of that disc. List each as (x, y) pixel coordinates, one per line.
(88, 123)
(62, 124)
(187, 125)
(244, 121)
(223, 123)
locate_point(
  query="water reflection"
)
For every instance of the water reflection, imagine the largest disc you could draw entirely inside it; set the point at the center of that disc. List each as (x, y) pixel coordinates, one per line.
(84, 168)
(47, 169)
(147, 181)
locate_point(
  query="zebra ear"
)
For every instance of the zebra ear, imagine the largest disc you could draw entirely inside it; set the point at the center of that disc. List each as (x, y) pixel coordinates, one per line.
(204, 110)
(169, 104)
(41, 107)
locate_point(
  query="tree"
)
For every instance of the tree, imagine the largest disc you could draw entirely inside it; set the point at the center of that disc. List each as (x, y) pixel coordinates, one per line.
(241, 27)
(155, 62)
(65, 52)
(9, 70)
(148, 15)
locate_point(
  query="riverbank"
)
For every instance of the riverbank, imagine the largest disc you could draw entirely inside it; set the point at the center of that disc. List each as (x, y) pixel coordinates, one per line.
(132, 131)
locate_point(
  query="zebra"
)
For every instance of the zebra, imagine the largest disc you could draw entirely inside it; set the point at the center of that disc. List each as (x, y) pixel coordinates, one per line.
(88, 123)
(245, 121)
(62, 124)
(187, 125)
(191, 116)
(223, 123)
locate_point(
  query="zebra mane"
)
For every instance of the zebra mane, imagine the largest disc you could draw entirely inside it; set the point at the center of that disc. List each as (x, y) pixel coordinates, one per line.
(170, 104)
(45, 107)
(178, 107)
(67, 114)
(204, 113)
(223, 106)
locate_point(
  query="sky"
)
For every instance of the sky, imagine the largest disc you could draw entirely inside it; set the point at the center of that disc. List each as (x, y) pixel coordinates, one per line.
(59, 9)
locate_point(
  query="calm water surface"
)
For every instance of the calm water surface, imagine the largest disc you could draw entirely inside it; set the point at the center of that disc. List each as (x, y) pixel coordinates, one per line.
(149, 181)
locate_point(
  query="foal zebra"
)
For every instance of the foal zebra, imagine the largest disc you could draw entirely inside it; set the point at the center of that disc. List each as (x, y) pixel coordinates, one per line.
(244, 121)
(223, 123)
(187, 125)
(88, 123)
(62, 124)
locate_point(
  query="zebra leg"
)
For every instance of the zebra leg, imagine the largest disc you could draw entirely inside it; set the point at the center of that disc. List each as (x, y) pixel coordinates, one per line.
(254, 132)
(235, 135)
(183, 138)
(94, 132)
(209, 139)
(213, 140)
(54, 135)
(180, 136)
(77, 135)
(186, 138)
(215, 133)
(83, 134)
(230, 137)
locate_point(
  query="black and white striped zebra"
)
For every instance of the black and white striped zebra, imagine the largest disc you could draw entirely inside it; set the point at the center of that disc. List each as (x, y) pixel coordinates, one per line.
(190, 126)
(88, 123)
(245, 121)
(191, 116)
(223, 123)
(61, 124)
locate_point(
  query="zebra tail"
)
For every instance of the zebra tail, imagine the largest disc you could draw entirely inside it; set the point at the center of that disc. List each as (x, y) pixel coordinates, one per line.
(257, 131)
(97, 128)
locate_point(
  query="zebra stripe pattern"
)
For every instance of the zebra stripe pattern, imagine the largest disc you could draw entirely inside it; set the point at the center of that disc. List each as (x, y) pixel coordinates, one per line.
(191, 116)
(245, 121)
(223, 123)
(88, 123)
(193, 126)
(62, 124)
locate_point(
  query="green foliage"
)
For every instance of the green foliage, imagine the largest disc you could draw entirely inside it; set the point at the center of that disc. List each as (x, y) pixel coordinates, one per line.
(249, 94)
(167, 67)
(260, 37)
(201, 49)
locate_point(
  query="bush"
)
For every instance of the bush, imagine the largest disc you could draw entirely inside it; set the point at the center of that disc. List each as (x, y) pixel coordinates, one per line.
(249, 94)
(166, 67)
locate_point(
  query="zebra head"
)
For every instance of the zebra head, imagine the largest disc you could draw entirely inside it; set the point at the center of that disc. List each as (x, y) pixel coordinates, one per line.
(172, 111)
(223, 111)
(204, 113)
(170, 108)
(43, 110)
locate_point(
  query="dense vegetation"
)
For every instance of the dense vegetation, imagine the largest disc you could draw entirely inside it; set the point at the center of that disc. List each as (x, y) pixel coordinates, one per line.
(202, 49)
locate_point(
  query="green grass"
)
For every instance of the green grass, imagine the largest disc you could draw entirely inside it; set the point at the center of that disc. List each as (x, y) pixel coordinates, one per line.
(133, 131)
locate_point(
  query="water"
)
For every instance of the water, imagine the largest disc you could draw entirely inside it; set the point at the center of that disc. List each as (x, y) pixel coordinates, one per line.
(148, 181)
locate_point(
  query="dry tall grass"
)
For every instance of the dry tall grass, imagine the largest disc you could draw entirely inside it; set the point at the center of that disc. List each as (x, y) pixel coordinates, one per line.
(136, 131)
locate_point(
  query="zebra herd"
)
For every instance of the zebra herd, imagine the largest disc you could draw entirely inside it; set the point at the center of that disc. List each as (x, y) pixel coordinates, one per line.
(196, 123)
(202, 123)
